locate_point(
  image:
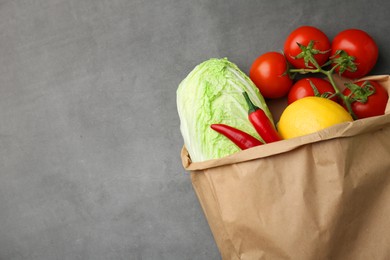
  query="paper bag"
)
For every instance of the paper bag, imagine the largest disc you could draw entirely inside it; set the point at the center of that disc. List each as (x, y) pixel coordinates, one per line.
(321, 196)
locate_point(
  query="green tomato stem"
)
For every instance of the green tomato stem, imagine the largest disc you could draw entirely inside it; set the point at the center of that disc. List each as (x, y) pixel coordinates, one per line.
(329, 74)
(345, 99)
(304, 71)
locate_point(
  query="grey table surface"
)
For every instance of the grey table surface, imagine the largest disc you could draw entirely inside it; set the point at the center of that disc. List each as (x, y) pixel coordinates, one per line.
(89, 132)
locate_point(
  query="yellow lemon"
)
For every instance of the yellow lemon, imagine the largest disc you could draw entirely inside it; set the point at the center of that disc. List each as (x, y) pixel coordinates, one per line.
(309, 115)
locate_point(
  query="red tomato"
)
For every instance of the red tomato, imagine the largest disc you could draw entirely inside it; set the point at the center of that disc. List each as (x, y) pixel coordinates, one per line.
(359, 44)
(303, 35)
(269, 73)
(302, 88)
(375, 104)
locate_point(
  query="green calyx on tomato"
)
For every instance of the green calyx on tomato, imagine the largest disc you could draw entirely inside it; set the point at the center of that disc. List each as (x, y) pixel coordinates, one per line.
(305, 45)
(360, 93)
(308, 53)
(361, 46)
(311, 86)
(368, 102)
(343, 62)
(317, 93)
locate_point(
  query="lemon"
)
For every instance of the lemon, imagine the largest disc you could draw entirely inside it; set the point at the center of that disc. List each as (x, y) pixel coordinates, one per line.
(309, 115)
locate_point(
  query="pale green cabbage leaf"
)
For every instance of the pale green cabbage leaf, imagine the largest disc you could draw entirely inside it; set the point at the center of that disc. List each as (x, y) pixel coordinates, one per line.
(210, 94)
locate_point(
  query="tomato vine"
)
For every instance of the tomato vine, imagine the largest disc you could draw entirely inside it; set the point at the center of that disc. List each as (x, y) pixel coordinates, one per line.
(341, 60)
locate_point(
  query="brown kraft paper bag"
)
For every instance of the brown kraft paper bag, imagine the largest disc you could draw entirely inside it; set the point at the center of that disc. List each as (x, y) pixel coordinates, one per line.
(321, 196)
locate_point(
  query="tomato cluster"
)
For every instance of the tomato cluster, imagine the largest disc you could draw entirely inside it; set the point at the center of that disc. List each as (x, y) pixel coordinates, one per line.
(352, 54)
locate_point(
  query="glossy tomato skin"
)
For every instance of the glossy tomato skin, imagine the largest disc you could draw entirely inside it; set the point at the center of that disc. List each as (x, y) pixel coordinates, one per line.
(359, 44)
(304, 35)
(375, 105)
(302, 88)
(269, 73)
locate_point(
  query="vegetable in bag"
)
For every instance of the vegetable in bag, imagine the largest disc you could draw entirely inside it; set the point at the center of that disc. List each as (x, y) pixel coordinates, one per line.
(212, 94)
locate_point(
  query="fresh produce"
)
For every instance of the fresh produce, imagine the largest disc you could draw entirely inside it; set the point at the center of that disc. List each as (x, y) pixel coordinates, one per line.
(212, 94)
(311, 86)
(240, 138)
(307, 40)
(309, 115)
(368, 98)
(263, 125)
(359, 45)
(342, 61)
(216, 121)
(269, 73)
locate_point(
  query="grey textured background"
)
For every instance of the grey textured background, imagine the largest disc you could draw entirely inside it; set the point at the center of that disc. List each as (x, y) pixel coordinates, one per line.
(89, 133)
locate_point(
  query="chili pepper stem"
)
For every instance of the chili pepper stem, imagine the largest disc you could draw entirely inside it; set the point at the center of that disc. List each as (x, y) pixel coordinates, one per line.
(252, 107)
(260, 121)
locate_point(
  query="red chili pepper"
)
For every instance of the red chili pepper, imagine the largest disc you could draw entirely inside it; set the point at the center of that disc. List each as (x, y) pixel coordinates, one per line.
(260, 121)
(240, 138)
